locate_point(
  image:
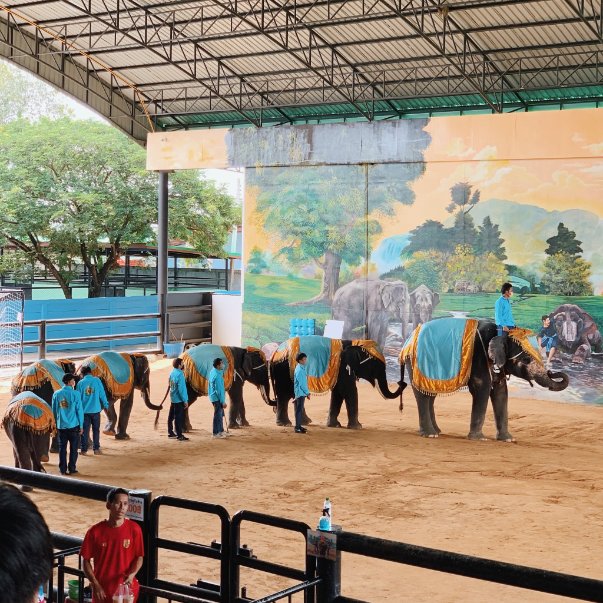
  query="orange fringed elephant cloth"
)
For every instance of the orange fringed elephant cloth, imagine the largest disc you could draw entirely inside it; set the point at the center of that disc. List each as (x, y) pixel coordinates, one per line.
(198, 362)
(115, 369)
(39, 373)
(30, 413)
(521, 336)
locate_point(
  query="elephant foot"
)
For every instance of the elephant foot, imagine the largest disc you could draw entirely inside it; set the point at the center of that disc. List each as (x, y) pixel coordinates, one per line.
(122, 436)
(356, 425)
(233, 426)
(578, 360)
(245, 423)
(479, 436)
(333, 423)
(505, 437)
(306, 420)
(44, 458)
(109, 432)
(284, 423)
(187, 428)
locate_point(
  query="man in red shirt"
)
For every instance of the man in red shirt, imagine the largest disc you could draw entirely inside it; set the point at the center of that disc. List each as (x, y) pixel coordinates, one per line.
(116, 546)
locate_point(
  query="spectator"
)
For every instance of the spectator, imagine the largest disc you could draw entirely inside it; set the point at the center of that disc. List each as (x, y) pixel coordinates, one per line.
(179, 401)
(217, 396)
(25, 548)
(116, 547)
(69, 416)
(93, 395)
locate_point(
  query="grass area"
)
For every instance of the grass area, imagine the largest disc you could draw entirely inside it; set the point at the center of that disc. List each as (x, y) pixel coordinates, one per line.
(266, 312)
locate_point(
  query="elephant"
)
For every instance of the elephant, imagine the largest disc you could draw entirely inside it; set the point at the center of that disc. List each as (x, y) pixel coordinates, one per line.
(121, 374)
(577, 332)
(373, 303)
(248, 364)
(43, 378)
(358, 359)
(28, 422)
(422, 302)
(489, 351)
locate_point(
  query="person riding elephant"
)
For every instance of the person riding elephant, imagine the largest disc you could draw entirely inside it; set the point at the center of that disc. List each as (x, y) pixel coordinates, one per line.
(43, 378)
(240, 365)
(121, 374)
(28, 422)
(449, 354)
(372, 303)
(333, 365)
(577, 332)
(422, 302)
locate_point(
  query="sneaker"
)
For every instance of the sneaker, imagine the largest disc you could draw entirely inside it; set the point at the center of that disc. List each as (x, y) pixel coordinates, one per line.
(301, 430)
(64, 472)
(183, 438)
(172, 436)
(99, 451)
(218, 436)
(73, 472)
(225, 434)
(84, 452)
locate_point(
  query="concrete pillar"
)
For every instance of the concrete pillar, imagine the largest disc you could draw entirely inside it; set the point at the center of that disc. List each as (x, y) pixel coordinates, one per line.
(162, 254)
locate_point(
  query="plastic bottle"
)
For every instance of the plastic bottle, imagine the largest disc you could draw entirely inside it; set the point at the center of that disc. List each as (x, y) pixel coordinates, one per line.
(327, 512)
(123, 594)
(41, 595)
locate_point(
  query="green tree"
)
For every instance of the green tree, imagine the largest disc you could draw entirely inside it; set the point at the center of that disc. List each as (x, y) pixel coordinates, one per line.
(320, 213)
(564, 274)
(459, 266)
(463, 231)
(489, 272)
(426, 268)
(256, 263)
(489, 239)
(74, 192)
(429, 235)
(564, 242)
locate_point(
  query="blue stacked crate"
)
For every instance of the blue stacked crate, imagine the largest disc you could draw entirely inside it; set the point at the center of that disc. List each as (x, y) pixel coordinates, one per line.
(299, 327)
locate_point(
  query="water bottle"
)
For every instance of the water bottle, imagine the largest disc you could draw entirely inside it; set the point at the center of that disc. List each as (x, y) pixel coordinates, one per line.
(41, 595)
(123, 594)
(326, 514)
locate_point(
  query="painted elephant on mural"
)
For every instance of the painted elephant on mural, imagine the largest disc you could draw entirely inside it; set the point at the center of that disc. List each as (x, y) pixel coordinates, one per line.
(490, 353)
(577, 332)
(121, 374)
(372, 304)
(241, 365)
(349, 361)
(422, 302)
(28, 422)
(43, 378)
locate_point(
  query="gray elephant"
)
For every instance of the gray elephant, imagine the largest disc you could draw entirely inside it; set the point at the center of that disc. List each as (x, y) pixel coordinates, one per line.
(372, 304)
(577, 332)
(491, 360)
(422, 302)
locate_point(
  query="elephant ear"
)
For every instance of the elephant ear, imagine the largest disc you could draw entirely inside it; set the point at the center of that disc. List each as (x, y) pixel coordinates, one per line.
(247, 364)
(497, 350)
(386, 293)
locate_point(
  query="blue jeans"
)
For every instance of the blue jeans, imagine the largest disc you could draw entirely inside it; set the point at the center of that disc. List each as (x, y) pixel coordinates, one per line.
(218, 418)
(176, 418)
(299, 410)
(549, 342)
(91, 419)
(71, 437)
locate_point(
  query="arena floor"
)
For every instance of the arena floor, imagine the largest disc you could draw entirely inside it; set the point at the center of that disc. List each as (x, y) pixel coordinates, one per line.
(538, 502)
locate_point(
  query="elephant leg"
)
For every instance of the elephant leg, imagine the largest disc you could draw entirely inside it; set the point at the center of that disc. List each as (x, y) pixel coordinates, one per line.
(54, 444)
(334, 409)
(125, 408)
(351, 405)
(282, 412)
(111, 415)
(480, 394)
(500, 403)
(235, 395)
(243, 422)
(21, 442)
(306, 420)
(187, 422)
(43, 447)
(433, 417)
(426, 427)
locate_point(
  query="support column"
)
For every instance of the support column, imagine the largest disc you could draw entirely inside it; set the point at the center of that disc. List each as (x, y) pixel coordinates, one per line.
(162, 254)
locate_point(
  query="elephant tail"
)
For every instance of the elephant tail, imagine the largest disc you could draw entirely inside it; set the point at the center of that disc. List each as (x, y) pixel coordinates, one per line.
(402, 386)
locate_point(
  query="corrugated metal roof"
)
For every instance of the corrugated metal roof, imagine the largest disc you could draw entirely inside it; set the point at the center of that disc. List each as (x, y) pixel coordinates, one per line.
(209, 62)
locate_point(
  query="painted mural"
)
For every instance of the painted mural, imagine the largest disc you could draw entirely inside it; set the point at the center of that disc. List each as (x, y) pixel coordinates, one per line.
(335, 231)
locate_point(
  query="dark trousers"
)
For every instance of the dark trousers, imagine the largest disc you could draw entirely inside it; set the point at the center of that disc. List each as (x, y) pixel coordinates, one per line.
(71, 437)
(218, 426)
(176, 419)
(91, 420)
(299, 410)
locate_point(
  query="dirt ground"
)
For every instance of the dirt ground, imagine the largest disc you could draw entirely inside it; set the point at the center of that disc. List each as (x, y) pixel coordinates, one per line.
(537, 502)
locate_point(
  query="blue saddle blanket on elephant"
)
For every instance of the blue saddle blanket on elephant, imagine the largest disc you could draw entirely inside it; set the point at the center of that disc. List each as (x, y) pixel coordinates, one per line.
(318, 350)
(204, 355)
(52, 368)
(120, 368)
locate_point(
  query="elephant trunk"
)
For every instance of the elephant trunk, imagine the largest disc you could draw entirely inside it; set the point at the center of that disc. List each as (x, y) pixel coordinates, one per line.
(384, 388)
(265, 393)
(555, 382)
(146, 396)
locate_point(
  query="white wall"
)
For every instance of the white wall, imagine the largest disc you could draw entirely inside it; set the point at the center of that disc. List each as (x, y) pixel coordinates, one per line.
(227, 318)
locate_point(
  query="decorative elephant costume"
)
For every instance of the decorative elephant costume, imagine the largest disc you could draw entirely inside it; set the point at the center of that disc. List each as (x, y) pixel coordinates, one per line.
(121, 374)
(448, 354)
(240, 365)
(422, 302)
(333, 365)
(28, 422)
(577, 332)
(373, 303)
(43, 378)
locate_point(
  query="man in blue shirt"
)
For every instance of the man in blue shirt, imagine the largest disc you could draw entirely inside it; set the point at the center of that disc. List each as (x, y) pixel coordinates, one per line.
(179, 401)
(300, 390)
(217, 396)
(69, 416)
(93, 395)
(503, 313)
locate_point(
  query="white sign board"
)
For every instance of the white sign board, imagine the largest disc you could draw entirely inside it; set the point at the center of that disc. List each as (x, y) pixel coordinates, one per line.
(334, 329)
(135, 508)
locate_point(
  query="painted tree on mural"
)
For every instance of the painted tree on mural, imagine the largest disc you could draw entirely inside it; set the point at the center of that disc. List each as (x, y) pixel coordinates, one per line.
(489, 239)
(329, 215)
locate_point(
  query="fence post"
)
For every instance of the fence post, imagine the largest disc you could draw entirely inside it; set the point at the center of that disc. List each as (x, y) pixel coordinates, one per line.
(42, 352)
(142, 516)
(330, 572)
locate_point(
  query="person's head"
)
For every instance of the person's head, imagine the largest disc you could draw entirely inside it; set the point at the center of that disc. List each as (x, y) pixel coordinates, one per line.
(546, 320)
(302, 358)
(507, 290)
(25, 547)
(117, 504)
(218, 364)
(69, 379)
(177, 363)
(86, 370)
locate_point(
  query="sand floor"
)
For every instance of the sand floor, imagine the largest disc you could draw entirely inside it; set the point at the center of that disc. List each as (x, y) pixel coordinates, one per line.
(537, 502)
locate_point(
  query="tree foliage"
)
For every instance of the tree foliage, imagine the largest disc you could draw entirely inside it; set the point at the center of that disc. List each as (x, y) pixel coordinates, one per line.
(426, 268)
(564, 242)
(256, 263)
(485, 271)
(489, 239)
(564, 274)
(74, 192)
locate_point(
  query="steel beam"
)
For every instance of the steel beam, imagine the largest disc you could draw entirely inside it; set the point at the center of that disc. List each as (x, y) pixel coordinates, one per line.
(162, 254)
(590, 13)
